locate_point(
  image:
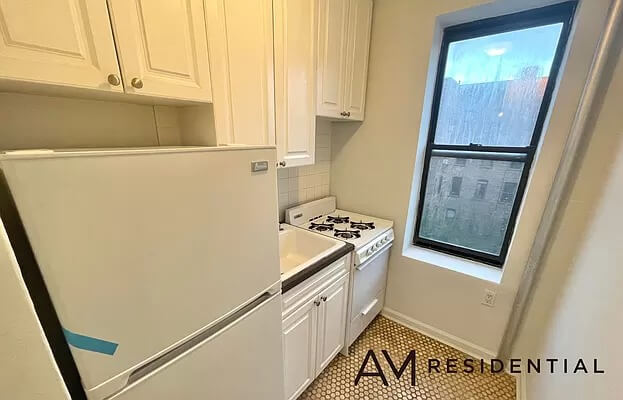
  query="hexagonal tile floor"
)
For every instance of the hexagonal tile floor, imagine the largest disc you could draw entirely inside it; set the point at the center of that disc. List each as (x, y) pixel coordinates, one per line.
(336, 382)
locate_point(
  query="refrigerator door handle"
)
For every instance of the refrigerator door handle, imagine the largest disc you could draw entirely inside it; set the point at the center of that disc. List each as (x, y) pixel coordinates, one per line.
(202, 337)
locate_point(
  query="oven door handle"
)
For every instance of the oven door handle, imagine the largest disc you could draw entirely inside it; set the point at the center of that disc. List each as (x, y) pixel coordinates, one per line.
(369, 307)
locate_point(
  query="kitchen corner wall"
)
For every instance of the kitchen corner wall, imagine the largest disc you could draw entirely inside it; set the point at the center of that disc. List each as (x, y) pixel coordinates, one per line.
(32, 121)
(302, 184)
(372, 164)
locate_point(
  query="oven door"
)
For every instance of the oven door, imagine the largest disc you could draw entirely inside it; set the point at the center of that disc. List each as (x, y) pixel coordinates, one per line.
(368, 298)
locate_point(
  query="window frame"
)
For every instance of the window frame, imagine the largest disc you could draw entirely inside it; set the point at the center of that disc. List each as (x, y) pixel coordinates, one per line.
(557, 13)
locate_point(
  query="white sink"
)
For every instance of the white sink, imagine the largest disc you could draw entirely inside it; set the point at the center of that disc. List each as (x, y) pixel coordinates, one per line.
(299, 249)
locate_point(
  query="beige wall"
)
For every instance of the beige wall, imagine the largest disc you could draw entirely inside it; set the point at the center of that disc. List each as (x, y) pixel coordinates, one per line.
(373, 163)
(575, 310)
(27, 369)
(31, 121)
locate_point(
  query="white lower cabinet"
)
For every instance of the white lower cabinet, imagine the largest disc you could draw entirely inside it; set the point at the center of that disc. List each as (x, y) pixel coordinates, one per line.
(300, 332)
(331, 322)
(314, 330)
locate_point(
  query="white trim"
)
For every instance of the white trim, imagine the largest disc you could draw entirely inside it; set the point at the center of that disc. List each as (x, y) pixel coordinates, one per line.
(522, 386)
(471, 349)
(454, 263)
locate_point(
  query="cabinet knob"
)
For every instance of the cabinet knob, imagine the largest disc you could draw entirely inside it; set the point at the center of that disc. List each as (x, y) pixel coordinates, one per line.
(282, 163)
(343, 113)
(317, 303)
(348, 114)
(324, 298)
(137, 83)
(114, 80)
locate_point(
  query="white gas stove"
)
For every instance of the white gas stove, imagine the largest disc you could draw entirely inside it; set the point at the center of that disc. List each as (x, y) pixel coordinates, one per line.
(369, 235)
(372, 238)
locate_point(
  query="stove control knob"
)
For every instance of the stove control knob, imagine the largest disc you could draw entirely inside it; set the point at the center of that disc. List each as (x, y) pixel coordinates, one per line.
(370, 251)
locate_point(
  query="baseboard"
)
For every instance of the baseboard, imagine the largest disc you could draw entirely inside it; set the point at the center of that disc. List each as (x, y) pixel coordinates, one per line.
(466, 347)
(520, 380)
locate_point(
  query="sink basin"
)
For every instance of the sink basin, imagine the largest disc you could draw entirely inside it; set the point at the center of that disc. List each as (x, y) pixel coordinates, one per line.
(299, 249)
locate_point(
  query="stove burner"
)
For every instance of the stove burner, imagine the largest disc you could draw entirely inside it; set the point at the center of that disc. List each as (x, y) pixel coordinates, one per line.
(362, 225)
(346, 234)
(338, 219)
(321, 227)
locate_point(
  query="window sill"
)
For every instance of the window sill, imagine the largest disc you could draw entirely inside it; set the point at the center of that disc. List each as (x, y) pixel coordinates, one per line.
(456, 264)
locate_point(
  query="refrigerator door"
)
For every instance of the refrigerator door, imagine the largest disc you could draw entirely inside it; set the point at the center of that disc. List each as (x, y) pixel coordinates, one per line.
(242, 361)
(143, 249)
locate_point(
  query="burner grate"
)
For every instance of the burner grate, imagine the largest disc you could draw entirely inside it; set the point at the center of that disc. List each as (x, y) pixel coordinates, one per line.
(347, 234)
(363, 226)
(320, 227)
(338, 219)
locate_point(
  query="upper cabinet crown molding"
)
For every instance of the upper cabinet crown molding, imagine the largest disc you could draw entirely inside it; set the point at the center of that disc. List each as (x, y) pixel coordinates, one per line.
(295, 80)
(344, 44)
(65, 42)
(162, 48)
(240, 41)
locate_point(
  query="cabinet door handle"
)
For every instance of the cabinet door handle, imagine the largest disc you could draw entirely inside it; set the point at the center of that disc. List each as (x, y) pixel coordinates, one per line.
(348, 114)
(281, 163)
(317, 303)
(343, 113)
(114, 80)
(324, 298)
(137, 83)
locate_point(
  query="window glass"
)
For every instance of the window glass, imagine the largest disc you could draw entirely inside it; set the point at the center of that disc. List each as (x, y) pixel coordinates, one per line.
(455, 190)
(478, 225)
(493, 86)
(481, 189)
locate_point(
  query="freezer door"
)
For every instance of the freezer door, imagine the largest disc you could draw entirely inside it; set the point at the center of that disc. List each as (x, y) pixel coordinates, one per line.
(140, 250)
(243, 361)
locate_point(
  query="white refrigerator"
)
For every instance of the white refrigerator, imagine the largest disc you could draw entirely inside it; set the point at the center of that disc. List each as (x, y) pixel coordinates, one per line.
(162, 266)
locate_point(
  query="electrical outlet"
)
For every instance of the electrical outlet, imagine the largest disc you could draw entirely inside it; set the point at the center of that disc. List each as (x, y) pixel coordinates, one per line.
(489, 298)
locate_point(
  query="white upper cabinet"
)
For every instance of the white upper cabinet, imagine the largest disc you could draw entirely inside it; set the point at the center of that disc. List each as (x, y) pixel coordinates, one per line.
(344, 44)
(332, 22)
(295, 28)
(240, 39)
(358, 50)
(162, 48)
(63, 42)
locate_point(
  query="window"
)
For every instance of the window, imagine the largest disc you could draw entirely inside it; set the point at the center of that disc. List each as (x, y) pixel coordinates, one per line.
(495, 80)
(455, 190)
(481, 189)
(509, 190)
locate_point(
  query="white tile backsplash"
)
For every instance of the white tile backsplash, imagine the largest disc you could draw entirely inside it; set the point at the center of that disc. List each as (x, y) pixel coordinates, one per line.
(302, 184)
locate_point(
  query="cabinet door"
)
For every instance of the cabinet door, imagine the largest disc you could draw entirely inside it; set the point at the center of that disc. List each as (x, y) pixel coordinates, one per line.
(65, 42)
(332, 21)
(358, 47)
(331, 322)
(295, 80)
(162, 48)
(240, 39)
(299, 348)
